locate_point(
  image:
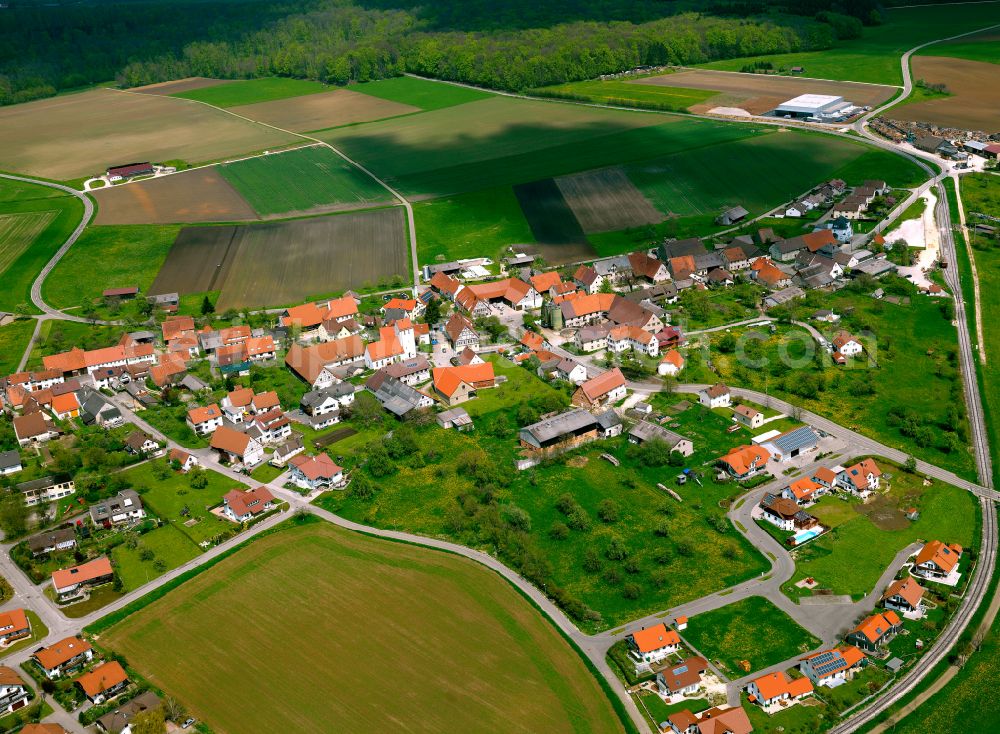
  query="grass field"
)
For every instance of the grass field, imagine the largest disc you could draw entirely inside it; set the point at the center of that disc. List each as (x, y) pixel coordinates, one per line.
(14, 340)
(422, 93)
(851, 557)
(170, 546)
(875, 56)
(473, 654)
(279, 263)
(252, 91)
(628, 94)
(477, 224)
(753, 630)
(301, 180)
(34, 223)
(111, 257)
(58, 336)
(167, 498)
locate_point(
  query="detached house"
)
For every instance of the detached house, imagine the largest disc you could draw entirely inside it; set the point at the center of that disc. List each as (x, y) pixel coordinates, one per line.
(718, 720)
(804, 491)
(237, 448)
(14, 625)
(671, 364)
(124, 508)
(187, 461)
(653, 644)
(240, 506)
(744, 462)
(876, 631)
(33, 428)
(828, 667)
(785, 514)
(104, 682)
(141, 443)
(455, 385)
(682, 679)
(63, 657)
(936, 560)
(461, 332)
(716, 396)
(644, 431)
(13, 691)
(861, 479)
(905, 596)
(773, 690)
(71, 582)
(847, 345)
(315, 472)
(747, 416)
(608, 387)
(204, 420)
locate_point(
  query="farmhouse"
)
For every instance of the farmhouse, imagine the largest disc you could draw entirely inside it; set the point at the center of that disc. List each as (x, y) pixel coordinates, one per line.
(124, 508)
(63, 657)
(52, 541)
(936, 560)
(608, 387)
(14, 625)
(744, 462)
(715, 396)
(104, 682)
(644, 431)
(718, 720)
(653, 644)
(73, 581)
(774, 690)
(33, 428)
(315, 364)
(747, 416)
(682, 679)
(559, 433)
(477, 299)
(13, 691)
(618, 310)
(46, 489)
(240, 506)
(731, 216)
(396, 396)
(671, 364)
(461, 333)
(876, 631)
(829, 667)
(648, 268)
(904, 596)
(77, 361)
(792, 444)
(234, 447)
(315, 472)
(456, 385)
(587, 279)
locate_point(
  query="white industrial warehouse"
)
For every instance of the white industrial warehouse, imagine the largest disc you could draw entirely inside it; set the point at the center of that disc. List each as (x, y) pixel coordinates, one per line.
(817, 108)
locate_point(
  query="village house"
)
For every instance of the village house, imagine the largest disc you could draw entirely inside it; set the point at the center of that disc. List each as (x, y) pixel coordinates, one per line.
(186, 462)
(906, 597)
(63, 657)
(845, 345)
(478, 299)
(269, 428)
(774, 691)
(829, 667)
(624, 338)
(204, 420)
(717, 720)
(467, 356)
(587, 279)
(317, 320)
(140, 443)
(234, 447)
(876, 631)
(316, 365)
(559, 433)
(936, 560)
(240, 506)
(744, 462)
(861, 479)
(46, 489)
(72, 582)
(461, 332)
(13, 691)
(395, 396)
(805, 491)
(396, 342)
(315, 472)
(52, 541)
(284, 451)
(648, 268)
(653, 644)
(785, 514)
(124, 508)
(10, 463)
(618, 310)
(608, 387)
(65, 406)
(31, 381)
(715, 396)
(563, 368)
(644, 431)
(671, 364)
(118, 721)
(33, 428)
(456, 385)
(682, 679)
(411, 372)
(748, 417)
(14, 625)
(104, 682)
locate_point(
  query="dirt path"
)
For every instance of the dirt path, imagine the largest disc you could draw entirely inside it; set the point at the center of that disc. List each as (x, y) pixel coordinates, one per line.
(975, 272)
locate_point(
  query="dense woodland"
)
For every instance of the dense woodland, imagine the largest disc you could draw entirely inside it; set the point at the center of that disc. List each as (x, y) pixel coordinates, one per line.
(511, 44)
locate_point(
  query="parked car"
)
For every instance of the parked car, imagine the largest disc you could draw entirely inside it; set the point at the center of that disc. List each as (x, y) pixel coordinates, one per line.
(187, 723)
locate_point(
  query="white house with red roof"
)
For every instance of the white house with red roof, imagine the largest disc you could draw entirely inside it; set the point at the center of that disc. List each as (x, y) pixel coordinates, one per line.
(236, 447)
(242, 506)
(830, 667)
(653, 644)
(774, 691)
(671, 364)
(938, 561)
(860, 479)
(315, 472)
(607, 387)
(715, 396)
(205, 419)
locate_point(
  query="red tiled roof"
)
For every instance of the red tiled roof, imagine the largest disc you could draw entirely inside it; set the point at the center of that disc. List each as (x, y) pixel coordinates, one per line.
(597, 387)
(104, 676)
(61, 652)
(83, 573)
(448, 379)
(655, 638)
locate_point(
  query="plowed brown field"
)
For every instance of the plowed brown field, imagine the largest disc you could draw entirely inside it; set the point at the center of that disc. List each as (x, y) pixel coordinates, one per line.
(606, 200)
(179, 85)
(974, 103)
(323, 110)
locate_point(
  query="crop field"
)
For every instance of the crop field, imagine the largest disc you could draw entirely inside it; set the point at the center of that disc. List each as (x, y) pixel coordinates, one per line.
(605, 200)
(201, 195)
(277, 263)
(754, 630)
(324, 110)
(251, 91)
(630, 94)
(758, 93)
(112, 257)
(34, 223)
(79, 135)
(423, 93)
(974, 100)
(179, 85)
(14, 340)
(875, 56)
(477, 224)
(405, 635)
(313, 179)
(552, 222)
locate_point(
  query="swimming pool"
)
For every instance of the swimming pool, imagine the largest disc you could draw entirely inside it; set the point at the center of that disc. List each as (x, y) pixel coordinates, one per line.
(803, 535)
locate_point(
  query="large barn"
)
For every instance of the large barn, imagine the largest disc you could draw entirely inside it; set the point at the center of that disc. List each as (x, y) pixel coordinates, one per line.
(816, 106)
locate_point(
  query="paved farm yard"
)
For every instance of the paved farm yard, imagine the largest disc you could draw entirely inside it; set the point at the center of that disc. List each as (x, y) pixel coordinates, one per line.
(314, 629)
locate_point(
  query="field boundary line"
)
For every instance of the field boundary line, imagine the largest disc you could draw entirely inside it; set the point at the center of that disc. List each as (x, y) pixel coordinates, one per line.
(975, 272)
(411, 222)
(780, 76)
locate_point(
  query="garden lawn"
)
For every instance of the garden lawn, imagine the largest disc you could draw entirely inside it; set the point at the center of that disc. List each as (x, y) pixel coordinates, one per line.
(521, 386)
(851, 557)
(477, 224)
(167, 497)
(14, 340)
(476, 656)
(875, 57)
(168, 543)
(34, 222)
(752, 629)
(58, 336)
(251, 91)
(301, 180)
(426, 94)
(109, 257)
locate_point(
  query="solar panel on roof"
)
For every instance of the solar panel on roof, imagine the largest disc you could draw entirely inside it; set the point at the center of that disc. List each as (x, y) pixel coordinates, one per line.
(682, 669)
